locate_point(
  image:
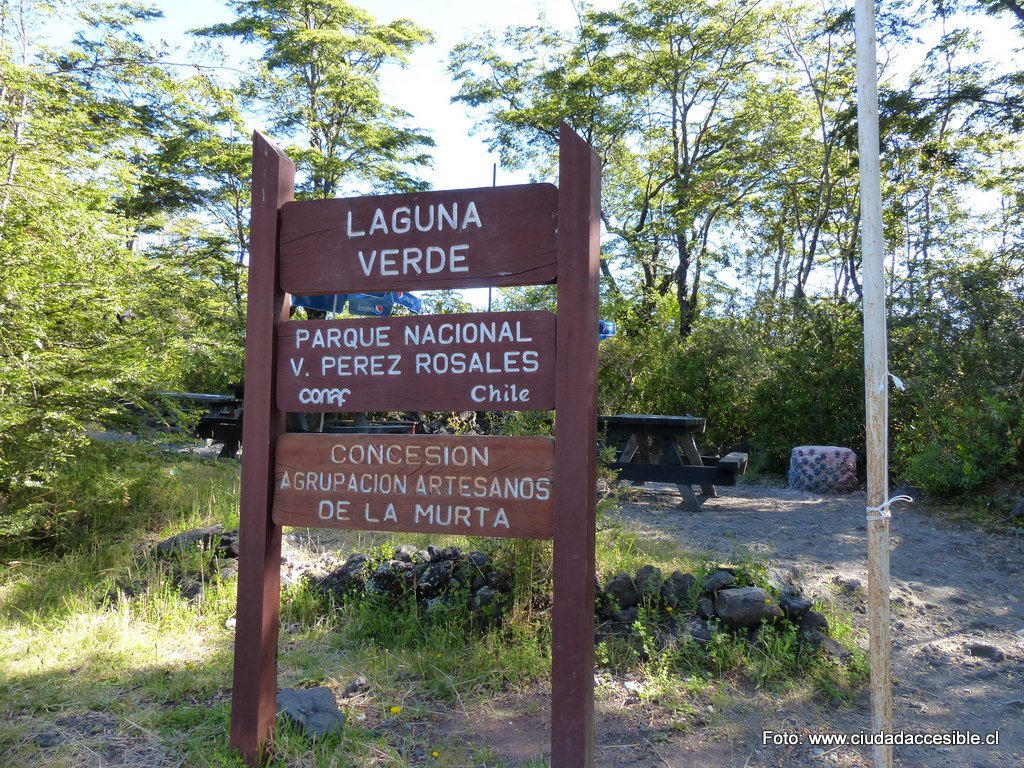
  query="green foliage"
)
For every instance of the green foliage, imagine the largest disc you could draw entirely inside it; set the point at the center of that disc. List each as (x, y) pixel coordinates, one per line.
(318, 81)
(99, 144)
(813, 390)
(711, 373)
(961, 421)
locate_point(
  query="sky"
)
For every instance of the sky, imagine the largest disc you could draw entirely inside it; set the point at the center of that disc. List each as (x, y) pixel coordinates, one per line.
(424, 88)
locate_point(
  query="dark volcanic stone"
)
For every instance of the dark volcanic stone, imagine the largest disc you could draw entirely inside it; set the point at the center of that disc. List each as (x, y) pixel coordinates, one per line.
(699, 630)
(435, 578)
(676, 590)
(483, 597)
(48, 740)
(622, 590)
(359, 685)
(745, 607)
(794, 606)
(312, 709)
(392, 577)
(203, 538)
(478, 559)
(406, 553)
(814, 620)
(349, 577)
(648, 582)
(985, 651)
(815, 639)
(705, 608)
(499, 581)
(228, 545)
(627, 616)
(718, 580)
(224, 568)
(446, 553)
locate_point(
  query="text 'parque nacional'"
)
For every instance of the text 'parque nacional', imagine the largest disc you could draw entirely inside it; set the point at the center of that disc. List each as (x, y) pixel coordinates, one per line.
(474, 361)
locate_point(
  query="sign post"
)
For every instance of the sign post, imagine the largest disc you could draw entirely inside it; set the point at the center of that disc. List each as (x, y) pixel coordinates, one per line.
(513, 487)
(572, 630)
(254, 692)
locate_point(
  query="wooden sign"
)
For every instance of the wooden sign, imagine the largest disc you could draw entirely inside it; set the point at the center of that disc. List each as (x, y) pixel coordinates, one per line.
(461, 362)
(453, 239)
(520, 487)
(461, 485)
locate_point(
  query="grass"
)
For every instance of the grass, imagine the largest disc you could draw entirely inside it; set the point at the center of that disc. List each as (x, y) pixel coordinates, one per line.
(102, 659)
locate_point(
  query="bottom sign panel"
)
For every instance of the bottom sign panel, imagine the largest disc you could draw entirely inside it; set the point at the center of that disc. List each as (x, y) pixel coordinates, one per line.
(465, 485)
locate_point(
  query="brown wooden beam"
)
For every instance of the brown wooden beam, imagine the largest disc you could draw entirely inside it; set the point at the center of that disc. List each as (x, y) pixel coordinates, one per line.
(254, 692)
(572, 673)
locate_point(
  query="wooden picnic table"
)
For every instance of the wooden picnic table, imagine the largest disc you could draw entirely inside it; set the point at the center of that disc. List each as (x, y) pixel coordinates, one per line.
(647, 449)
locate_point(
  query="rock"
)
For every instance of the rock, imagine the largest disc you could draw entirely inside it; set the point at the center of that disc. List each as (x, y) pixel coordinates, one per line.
(48, 740)
(446, 553)
(794, 606)
(200, 537)
(698, 630)
(627, 616)
(499, 581)
(227, 547)
(604, 606)
(435, 578)
(459, 577)
(392, 577)
(720, 579)
(814, 620)
(224, 568)
(648, 582)
(191, 585)
(406, 553)
(622, 590)
(985, 651)
(815, 639)
(312, 709)
(745, 607)
(359, 685)
(676, 590)
(350, 577)
(484, 598)
(847, 585)
(823, 468)
(705, 608)
(479, 560)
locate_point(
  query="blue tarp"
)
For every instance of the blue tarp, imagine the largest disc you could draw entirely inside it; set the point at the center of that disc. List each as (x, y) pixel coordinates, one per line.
(383, 305)
(372, 304)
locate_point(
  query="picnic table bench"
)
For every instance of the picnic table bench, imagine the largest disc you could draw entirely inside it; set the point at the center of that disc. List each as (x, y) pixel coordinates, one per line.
(647, 449)
(221, 422)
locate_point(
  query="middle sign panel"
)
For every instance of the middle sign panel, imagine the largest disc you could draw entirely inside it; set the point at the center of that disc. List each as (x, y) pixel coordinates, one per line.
(459, 362)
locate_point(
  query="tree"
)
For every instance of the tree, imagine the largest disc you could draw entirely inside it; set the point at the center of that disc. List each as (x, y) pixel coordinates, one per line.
(90, 324)
(318, 82)
(675, 99)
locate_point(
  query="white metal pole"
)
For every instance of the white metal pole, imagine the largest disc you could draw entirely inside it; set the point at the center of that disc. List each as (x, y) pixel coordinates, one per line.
(876, 380)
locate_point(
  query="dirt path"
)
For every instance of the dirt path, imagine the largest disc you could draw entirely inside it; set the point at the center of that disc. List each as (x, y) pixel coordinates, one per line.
(958, 622)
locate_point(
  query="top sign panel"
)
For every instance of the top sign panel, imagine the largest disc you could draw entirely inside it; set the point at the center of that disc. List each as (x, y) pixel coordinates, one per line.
(426, 240)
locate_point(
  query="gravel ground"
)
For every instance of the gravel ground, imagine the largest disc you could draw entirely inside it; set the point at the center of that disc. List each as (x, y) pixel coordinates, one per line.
(957, 629)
